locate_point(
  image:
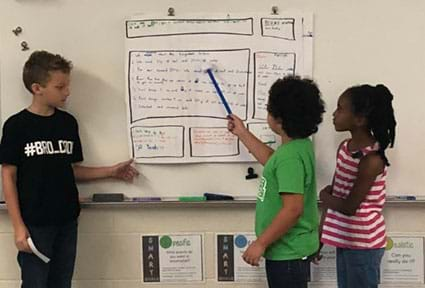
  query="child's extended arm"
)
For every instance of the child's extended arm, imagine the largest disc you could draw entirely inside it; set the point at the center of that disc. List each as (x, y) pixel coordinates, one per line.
(292, 209)
(8, 173)
(261, 151)
(123, 171)
(370, 166)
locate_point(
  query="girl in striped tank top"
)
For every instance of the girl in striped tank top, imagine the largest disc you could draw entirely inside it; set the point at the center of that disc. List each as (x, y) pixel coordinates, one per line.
(352, 220)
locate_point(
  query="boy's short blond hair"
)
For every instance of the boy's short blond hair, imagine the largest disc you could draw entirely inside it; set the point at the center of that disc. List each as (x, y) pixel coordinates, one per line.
(40, 64)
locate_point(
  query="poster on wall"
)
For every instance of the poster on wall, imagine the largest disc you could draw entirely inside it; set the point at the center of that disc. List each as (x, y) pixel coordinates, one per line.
(175, 114)
(230, 266)
(403, 260)
(172, 258)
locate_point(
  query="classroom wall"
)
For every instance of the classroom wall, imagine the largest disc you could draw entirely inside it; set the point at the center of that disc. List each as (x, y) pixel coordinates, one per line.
(109, 241)
(357, 41)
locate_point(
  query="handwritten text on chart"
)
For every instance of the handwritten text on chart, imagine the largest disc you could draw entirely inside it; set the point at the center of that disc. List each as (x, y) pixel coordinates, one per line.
(211, 141)
(269, 67)
(157, 141)
(263, 132)
(174, 83)
(283, 28)
(167, 27)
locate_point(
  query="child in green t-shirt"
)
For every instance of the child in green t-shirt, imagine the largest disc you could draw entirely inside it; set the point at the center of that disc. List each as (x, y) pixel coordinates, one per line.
(286, 212)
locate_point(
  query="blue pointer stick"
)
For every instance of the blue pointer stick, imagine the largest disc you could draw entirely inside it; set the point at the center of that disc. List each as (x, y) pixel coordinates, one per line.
(217, 88)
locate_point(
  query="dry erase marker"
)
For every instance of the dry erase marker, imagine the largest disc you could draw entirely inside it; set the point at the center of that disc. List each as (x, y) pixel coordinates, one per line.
(220, 94)
(217, 197)
(405, 197)
(146, 199)
(192, 198)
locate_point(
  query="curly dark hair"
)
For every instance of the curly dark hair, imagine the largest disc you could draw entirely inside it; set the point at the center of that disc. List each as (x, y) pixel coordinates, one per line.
(375, 104)
(40, 64)
(298, 104)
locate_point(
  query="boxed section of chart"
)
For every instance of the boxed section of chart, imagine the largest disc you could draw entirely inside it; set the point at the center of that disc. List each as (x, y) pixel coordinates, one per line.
(158, 141)
(263, 132)
(212, 142)
(282, 28)
(268, 67)
(169, 27)
(175, 83)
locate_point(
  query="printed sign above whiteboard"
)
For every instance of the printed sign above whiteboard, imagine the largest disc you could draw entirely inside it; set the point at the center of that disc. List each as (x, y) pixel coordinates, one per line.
(174, 112)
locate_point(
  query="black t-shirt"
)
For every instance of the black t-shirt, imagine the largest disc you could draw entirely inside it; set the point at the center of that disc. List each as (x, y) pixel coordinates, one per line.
(43, 149)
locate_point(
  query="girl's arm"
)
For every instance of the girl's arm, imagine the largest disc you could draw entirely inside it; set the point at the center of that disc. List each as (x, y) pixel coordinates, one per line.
(317, 257)
(8, 173)
(123, 171)
(370, 166)
(292, 209)
(258, 149)
(327, 190)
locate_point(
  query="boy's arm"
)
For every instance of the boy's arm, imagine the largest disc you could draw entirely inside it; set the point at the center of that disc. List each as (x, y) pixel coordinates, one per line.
(292, 209)
(8, 173)
(123, 171)
(370, 166)
(258, 149)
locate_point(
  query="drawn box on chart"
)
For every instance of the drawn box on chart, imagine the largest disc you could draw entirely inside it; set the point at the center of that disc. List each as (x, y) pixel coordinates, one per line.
(157, 141)
(212, 142)
(174, 83)
(263, 132)
(269, 66)
(168, 27)
(283, 28)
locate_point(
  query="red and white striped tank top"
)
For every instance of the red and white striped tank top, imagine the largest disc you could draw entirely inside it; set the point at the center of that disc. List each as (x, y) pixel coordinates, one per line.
(366, 229)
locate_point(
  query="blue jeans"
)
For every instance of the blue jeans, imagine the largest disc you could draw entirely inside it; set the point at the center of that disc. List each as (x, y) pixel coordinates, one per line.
(59, 243)
(288, 273)
(358, 268)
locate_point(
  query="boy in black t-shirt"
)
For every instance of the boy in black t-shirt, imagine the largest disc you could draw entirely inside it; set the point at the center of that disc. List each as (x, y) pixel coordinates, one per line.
(39, 151)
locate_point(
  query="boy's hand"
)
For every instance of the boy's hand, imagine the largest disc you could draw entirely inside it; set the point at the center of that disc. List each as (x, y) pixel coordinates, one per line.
(124, 171)
(235, 125)
(21, 236)
(253, 254)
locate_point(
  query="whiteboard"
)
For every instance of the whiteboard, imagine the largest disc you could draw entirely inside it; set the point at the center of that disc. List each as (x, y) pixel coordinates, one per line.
(355, 42)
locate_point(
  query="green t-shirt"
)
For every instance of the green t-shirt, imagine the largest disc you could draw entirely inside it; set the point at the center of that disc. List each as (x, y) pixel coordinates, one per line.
(290, 169)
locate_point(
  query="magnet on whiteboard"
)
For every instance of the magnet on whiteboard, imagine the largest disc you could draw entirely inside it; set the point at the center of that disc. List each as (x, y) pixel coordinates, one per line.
(171, 11)
(17, 31)
(24, 46)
